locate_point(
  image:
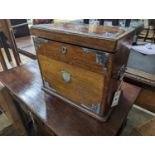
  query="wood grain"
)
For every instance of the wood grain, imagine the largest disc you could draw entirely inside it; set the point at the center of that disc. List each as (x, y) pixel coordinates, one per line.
(82, 35)
(97, 87)
(55, 114)
(75, 55)
(85, 87)
(10, 110)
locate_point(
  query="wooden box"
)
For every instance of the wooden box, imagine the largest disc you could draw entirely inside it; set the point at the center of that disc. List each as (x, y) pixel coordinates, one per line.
(82, 63)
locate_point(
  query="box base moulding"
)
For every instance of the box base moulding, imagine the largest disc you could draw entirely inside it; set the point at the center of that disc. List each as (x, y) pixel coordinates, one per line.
(100, 118)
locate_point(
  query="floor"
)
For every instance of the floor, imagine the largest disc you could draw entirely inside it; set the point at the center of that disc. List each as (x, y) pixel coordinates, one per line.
(4, 122)
(136, 117)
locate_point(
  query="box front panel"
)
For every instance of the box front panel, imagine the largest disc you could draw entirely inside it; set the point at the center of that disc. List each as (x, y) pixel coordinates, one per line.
(81, 86)
(89, 59)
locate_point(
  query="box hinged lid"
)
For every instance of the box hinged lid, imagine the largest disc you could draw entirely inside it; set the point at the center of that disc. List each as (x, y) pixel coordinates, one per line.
(103, 38)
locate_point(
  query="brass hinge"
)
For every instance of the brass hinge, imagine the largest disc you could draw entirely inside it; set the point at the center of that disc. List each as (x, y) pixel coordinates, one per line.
(39, 41)
(119, 75)
(101, 57)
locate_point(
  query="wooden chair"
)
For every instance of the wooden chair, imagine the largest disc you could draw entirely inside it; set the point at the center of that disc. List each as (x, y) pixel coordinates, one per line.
(148, 33)
(86, 21)
(2, 61)
(5, 45)
(115, 22)
(25, 44)
(7, 41)
(23, 41)
(8, 107)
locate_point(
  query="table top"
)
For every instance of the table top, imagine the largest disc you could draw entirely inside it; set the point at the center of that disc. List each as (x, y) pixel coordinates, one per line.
(25, 84)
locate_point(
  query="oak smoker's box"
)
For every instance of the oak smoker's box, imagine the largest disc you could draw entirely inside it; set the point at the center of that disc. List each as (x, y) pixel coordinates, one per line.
(82, 63)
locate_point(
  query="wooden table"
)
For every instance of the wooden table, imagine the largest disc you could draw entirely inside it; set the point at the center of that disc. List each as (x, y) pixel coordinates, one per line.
(141, 68)
(141, 72)
(24, 84)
